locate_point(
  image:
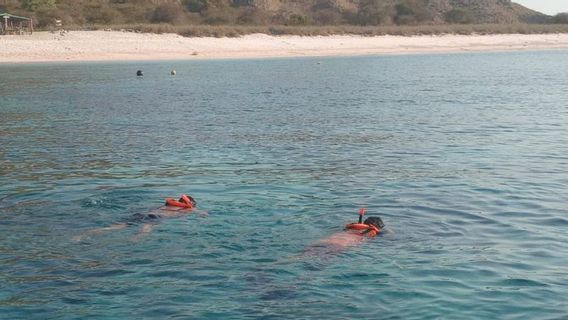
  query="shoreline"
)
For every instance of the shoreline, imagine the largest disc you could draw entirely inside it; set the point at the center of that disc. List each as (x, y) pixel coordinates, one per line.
(84, 46)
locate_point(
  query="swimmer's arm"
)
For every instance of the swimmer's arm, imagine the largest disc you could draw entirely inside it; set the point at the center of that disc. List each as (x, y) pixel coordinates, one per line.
(116, 226)
(201, 213)
(180, 211)
(144, 230)
(373, 233)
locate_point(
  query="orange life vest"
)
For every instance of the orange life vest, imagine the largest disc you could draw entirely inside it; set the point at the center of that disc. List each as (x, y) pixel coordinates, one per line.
(184, 202)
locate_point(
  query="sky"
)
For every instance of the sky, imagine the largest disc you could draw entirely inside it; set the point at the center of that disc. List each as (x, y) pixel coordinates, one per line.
(545, 6)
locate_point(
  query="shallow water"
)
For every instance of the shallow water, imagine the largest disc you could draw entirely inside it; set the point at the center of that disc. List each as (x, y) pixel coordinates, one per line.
(464, 156)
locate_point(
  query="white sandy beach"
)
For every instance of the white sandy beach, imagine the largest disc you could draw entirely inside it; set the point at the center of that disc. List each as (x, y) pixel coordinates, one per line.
(123, 46)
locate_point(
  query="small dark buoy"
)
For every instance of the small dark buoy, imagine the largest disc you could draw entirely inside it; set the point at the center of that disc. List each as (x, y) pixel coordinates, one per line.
(139, 73)
(173, 72)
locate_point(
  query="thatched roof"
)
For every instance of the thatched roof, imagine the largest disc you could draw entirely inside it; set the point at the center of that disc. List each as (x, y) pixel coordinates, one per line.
(11, 16)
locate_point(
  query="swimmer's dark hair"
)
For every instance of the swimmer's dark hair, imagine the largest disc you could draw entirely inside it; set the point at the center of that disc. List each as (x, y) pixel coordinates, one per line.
(376, 221)
(193, 202)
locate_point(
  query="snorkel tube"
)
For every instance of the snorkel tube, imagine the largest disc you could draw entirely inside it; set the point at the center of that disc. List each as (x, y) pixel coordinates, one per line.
(361, 214)
(371, 227)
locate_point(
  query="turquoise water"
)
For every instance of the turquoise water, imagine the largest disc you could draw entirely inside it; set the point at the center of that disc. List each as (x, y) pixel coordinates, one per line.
(465, 157)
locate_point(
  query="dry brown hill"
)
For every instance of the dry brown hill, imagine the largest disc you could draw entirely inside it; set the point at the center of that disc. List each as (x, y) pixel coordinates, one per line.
(268, 12)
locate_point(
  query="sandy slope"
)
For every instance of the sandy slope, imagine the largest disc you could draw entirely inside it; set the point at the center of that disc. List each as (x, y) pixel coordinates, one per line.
(115, 45)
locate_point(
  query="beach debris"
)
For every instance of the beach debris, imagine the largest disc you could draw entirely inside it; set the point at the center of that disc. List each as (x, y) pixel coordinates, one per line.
(139, 73)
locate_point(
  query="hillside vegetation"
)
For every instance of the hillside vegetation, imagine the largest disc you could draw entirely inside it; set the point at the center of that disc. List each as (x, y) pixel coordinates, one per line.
(262, 13)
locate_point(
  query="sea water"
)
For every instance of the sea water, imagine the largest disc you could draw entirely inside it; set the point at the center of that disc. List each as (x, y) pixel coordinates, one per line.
(464, 156)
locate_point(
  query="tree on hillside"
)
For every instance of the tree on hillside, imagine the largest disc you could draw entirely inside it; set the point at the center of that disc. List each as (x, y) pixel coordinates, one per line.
(252, 16)
(404, 14)
(458, 16)
(325, 13)
(195, 5)
(34, 5)
(371, 12)
(561, 18)
(167, 13)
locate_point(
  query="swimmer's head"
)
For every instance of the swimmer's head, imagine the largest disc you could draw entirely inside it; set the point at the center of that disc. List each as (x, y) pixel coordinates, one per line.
(193, 202)
(375, 221)
(188, 200)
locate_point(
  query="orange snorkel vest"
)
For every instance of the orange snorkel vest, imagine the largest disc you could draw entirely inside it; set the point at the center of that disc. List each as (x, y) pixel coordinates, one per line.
(183, 202)
(365, 229)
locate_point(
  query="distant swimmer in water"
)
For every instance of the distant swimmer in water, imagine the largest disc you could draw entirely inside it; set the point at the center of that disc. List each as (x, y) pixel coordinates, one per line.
(352, 235)
(172, 209)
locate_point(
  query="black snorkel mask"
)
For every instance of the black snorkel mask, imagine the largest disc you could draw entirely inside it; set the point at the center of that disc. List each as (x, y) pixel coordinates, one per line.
(375, 221)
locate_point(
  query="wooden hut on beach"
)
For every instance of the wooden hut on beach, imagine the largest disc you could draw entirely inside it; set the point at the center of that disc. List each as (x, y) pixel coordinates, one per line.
(11, 24)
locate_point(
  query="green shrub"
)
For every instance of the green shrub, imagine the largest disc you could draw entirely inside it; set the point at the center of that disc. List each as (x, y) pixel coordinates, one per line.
(241, 3)
(328, 17)
(218, 16)
(458, 16)
(195, 5)
(403, 10)
(561, 18)
(167, 13)
(46, 17)
(102, 15)
(251, 16)
(298, 20)
(371, 13)
(34, 5)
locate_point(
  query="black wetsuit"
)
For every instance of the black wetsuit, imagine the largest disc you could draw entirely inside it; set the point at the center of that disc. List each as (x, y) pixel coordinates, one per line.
(142, 218)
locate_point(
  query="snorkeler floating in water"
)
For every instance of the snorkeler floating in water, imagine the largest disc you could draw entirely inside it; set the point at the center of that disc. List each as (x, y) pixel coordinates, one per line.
(371, 227)
(185, 201)
(315, 257)
(353, 234)
(172, 209)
